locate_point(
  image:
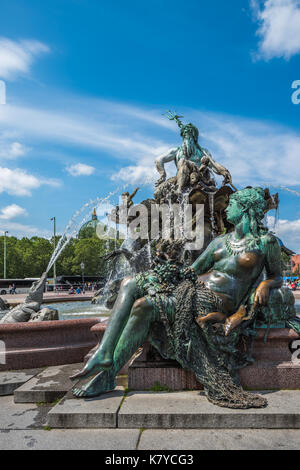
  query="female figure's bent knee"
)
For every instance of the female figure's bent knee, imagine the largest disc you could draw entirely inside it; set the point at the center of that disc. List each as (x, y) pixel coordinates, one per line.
(141, 307)
(128, 283)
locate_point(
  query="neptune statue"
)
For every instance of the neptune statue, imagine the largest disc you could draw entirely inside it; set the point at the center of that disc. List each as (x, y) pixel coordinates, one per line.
(190, 158)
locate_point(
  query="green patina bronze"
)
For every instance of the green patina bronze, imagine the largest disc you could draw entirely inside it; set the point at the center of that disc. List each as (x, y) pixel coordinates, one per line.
(199, 314)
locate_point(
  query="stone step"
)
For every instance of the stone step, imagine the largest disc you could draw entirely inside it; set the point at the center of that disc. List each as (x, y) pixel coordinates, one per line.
(11, 380)
(20, 416)
(219, 439)
(100, 412)
(52, 383)
(174, 410)
(70, 439)
(191, 410)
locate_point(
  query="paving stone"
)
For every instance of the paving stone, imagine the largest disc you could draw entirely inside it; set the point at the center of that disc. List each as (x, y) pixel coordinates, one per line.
(10, 380)
(192, 410)
(100, 412)
(21, 416)
(66, 439)
(48, 386)
(220, 439)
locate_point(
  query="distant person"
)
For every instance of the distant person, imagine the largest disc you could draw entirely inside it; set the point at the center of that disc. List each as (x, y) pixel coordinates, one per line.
(71, 290)
(78, 291)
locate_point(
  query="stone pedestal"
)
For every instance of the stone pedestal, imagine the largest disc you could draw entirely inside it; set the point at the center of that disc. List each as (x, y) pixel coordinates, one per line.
(273, 367)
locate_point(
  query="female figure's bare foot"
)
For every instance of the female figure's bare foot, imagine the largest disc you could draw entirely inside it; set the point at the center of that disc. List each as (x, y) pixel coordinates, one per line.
(101, 383)
(235, 320)
(213, 317)
(99, 360)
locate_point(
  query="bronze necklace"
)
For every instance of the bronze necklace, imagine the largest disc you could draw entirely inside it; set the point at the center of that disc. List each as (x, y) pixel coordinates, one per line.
(236, 248)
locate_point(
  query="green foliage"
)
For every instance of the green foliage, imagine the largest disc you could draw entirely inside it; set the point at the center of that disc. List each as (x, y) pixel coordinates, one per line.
(45, 403)
(29, 257)
(87, 232)
(158, 387)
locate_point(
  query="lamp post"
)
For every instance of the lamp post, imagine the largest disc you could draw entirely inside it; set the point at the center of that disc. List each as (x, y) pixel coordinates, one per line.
(82, 265)
(4, 251)
(54, 244)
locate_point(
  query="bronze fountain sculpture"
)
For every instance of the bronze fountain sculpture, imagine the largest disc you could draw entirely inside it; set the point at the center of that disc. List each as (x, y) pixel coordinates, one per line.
(197, 309)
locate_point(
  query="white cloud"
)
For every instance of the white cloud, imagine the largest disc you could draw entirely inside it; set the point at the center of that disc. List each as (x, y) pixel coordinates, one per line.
(140, 174)
(12, 211)
(80, 169)
(21, 230)
(11, 150)
(288, 231)
(16, 57)
(255, 152)
(88, 128)
(279, 28)
(19, 182)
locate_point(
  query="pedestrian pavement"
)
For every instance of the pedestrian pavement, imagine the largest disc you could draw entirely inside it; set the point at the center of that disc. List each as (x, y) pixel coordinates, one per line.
(37, 416)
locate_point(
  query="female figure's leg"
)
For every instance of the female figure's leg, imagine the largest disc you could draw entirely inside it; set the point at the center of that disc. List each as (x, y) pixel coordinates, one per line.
(133, 336)
(103, 356)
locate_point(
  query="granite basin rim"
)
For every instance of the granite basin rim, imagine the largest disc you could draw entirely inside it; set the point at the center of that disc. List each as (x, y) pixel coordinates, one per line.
(47, 343)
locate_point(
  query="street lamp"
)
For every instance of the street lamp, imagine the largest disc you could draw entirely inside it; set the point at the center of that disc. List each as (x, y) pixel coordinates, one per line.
(54, 244)
(4, 261)
(82, 265)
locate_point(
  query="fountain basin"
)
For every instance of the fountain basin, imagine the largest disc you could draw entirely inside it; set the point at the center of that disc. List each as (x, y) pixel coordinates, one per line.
(74, 309)
(49, 343)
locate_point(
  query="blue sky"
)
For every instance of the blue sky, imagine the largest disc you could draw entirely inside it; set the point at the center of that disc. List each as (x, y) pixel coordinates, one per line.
(87, 82)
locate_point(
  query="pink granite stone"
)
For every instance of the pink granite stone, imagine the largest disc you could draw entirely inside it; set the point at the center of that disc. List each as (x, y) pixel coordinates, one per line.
(49, 343)
(273, 367)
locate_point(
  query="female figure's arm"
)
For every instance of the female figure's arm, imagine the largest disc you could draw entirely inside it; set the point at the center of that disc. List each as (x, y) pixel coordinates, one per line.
(273, 271)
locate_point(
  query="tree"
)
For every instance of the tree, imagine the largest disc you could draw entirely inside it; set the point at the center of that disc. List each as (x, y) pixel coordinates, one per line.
(89, 251)
(13, 257)
(87, 232)
(29, 257)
